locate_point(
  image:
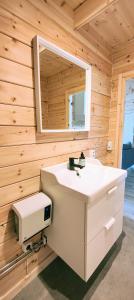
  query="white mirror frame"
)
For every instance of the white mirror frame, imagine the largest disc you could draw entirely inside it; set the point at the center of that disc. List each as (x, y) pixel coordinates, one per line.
(36, 42)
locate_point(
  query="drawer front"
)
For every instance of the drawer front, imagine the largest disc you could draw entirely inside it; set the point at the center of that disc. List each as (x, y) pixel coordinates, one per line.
(103, 210)
(101, 244)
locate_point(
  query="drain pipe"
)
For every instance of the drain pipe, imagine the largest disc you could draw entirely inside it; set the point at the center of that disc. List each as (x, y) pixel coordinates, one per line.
(35, 247)
(14, 263)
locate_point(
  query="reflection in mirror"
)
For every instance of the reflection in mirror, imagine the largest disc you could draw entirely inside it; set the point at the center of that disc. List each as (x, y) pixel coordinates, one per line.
(76, 108)
(63, 100)
(62, 89)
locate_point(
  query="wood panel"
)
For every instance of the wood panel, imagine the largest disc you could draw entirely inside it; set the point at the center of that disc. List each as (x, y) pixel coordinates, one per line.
(36, 22)
(34, 260)
(15, 276)
(20, 172)
(101, 82)
(49, 9)
(96, 39)
(16, 28)
(7, 232)
(13, 50)
(74, 3)
(22, 150)
(25, 153)
(115, 23)
(15, 250)
(90, 10)
(44, 102)
(15, 115)
(16, 73)
(16, 95)
(16, 135)
(100, 99)
(98, 110)
(9, 252)
(19, 190)
(123, 57)
(21, 275)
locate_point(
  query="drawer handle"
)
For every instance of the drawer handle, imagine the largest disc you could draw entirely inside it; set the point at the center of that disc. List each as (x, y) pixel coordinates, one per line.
(112, 190)
(110, 223)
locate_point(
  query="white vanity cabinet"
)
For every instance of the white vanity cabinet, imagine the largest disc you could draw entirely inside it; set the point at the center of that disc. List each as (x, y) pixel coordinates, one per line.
(86, 221)
(103, 226)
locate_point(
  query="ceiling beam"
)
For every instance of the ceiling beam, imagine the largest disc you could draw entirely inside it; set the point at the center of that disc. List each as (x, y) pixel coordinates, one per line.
(90, 9)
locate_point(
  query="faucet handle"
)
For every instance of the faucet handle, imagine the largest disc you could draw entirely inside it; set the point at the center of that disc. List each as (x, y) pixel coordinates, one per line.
(71, 162)
(72, 158)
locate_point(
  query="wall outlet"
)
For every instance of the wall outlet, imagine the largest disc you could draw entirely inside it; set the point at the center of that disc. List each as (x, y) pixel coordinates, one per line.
(109, 146)
(92, 153)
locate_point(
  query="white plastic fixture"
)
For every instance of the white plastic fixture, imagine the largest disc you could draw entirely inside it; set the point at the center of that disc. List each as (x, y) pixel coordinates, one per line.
(87, 214)
(53, 48)
(32, 215)
(109, 146)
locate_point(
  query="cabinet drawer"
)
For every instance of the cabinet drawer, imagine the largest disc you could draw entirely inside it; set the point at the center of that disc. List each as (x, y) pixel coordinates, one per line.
(101, 244)
(103, 210)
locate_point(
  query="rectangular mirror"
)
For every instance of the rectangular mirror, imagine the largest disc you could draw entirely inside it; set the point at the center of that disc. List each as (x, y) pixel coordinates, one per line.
(62, 89)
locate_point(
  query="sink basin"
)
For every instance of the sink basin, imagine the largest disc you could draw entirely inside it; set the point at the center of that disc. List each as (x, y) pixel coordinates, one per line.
(87, 213)
(93, 179)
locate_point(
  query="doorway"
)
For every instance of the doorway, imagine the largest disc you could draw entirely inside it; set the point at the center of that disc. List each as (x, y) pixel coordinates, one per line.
(126, 142)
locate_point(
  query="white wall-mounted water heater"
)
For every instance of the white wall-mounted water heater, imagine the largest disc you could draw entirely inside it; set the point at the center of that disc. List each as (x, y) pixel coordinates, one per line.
(32, 215)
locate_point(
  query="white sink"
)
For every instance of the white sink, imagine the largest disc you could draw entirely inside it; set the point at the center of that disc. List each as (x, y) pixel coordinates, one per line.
(93, 179)
(87, 213)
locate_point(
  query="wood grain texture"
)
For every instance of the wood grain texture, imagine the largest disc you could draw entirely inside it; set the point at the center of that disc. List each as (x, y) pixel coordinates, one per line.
(7, 232)
(19, 190)
(16, 135)
(38, 18)
(9, 252)
(116, 23)
(96, 39)
(23, 171)
(16, 95)
(15, 115)
(123, 57)
(89, 10)
(26, 153)
(25, 272)
(16, 51)
(15, 73)
(15, 276)
(22, 150)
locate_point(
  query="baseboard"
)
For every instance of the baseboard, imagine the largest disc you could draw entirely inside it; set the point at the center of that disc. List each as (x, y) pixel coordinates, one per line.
(28, 278)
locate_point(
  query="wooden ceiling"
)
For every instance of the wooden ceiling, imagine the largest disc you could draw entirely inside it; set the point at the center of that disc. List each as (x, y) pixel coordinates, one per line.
(51, 63)
(74, 3)
(116, 23)
(106, 23)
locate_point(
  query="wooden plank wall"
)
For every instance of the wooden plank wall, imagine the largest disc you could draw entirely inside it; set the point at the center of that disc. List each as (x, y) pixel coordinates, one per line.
(44, 102)
(22, 150)
(123, 61)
